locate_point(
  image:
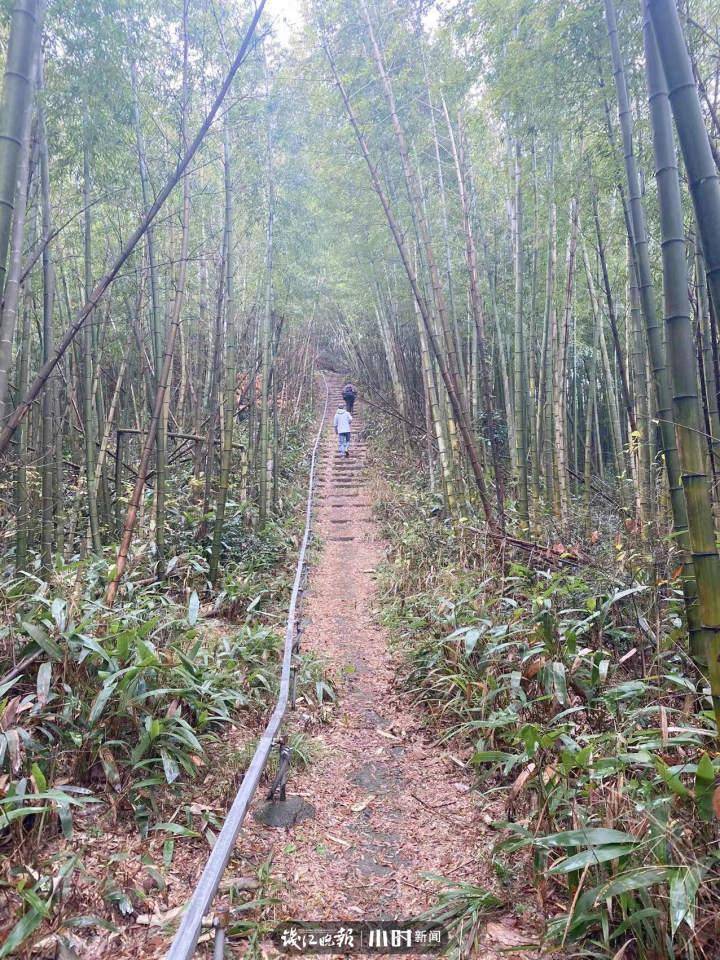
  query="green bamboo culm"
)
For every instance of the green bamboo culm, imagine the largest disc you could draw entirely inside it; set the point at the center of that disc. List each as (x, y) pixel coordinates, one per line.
(678, 87)
(48, 466)
(16, 99)
(433, 401)
(12, 286)
(90, 426)
(22, 500)
(521, 419)
(230, 367)
(656, 348)
(266, 463)
(680, 340)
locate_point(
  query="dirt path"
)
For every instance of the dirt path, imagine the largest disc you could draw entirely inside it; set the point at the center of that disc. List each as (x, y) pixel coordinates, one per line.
(390, 805)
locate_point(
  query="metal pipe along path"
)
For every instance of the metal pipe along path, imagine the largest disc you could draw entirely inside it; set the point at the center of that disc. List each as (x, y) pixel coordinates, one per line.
(185, 941)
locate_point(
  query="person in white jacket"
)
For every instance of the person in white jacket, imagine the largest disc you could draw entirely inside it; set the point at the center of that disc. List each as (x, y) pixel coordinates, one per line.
(342, 422)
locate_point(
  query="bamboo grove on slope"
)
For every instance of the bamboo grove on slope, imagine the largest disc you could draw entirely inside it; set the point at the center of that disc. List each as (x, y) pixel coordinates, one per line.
(457, 203)
(180, 340)
(514, 398)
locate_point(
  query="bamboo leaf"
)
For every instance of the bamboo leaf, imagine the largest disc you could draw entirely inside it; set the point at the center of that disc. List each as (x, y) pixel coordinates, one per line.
(168, 853)
(705, 787)
(100, 702)
(671, 779)
(12, 738)
(9, 684)
(589, 837)
(193, 608)
(65, 818)
(39, 778)
(559, 684)
(170, 767)
(638, 879)
(591, 857)
(58, 612)
(177, 829)
(684, 884)
(43, 683)
(471, 639)
(92, 646)
(253, 603)
(40, 636)
(26, 926)
(90, 921)
(19, 813)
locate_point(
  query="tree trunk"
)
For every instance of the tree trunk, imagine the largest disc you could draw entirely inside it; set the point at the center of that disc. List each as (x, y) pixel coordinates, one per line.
(612, 317)
(156, 327)
(265, 449)
(170, 339)
(478, 314)
(48, 470)
(12, 286)
(520, 385)
(88, 406)
(614, 417)
(15, 103)
(562, 499)
(441, 187)
(592, 384)
(446, 464)
(640, 438)
(22, 505)
(705, 635)
(230, 365)
(545, 393)
(710, 375)
(110, 420)
(656, 347)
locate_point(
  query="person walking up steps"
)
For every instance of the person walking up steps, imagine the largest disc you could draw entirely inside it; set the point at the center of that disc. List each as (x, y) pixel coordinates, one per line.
(349, 394)
(342, 422)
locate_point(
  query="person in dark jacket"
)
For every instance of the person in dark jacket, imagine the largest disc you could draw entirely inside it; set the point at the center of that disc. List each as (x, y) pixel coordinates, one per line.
(349, 393)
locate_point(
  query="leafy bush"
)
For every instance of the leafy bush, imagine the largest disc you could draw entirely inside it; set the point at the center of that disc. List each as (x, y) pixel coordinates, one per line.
(110, 700)
(581, 712)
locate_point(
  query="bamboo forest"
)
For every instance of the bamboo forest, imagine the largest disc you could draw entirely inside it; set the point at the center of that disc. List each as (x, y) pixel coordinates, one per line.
(360, 479)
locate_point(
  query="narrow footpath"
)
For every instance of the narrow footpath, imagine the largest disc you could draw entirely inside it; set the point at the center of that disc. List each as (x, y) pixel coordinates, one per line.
(391, 805)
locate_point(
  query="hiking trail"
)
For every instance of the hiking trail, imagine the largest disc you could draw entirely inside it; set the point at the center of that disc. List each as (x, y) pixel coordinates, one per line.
(391, 805)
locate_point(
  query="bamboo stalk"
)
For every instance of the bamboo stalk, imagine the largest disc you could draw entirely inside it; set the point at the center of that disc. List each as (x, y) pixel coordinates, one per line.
(637, 233)
(519, 381)
(171, 337)
(230, 364)
(705, 638)
(447, 376)
(102, 285)
(15, 103)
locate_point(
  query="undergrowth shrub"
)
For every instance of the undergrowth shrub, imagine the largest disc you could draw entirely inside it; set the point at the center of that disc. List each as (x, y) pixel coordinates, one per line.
(118, 711)
(588, 727)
